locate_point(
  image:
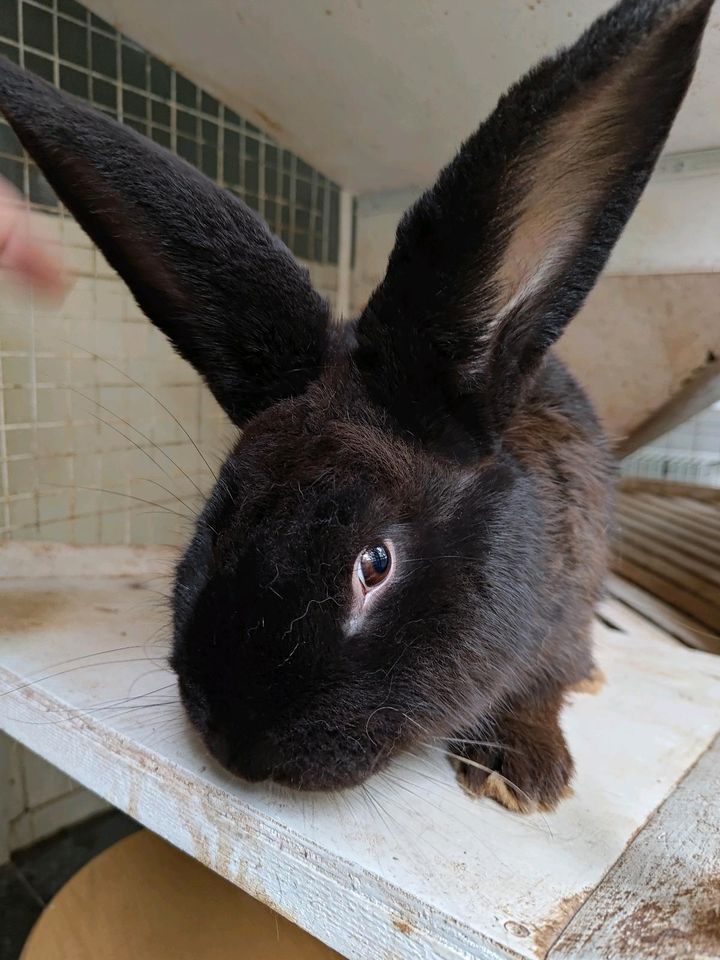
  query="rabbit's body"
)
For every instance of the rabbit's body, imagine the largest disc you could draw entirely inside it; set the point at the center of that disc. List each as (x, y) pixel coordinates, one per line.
(407, 542)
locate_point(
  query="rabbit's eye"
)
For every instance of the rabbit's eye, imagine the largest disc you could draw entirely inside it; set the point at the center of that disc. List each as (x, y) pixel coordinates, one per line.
(373, 565)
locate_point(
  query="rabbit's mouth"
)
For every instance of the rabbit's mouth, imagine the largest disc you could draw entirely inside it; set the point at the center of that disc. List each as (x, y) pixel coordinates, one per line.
(306, 761)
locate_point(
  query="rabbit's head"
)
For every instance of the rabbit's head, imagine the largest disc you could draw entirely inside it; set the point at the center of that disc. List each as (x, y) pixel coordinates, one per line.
(366, 571)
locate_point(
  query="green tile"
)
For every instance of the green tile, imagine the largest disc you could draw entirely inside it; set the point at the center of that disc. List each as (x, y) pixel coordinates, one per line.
(45, 3)
(251, 178)
(160, 79)
(301, 244)
(72, 42)
(286, 186)
(72, 9)
(40, 189)
(9, 19)
(99, 24)
(252, 148)
(187, 149)
(74, 81)
(252, 200)
(209, 104)
(42, 66)
(251, 128)
(10, 51)
(9, 143)
(302, 220)
(287, 160)
(134, 104)
(303, 193)
(104, 93)
(271, 156)
(271, 211)
(103, 52)
(285, 215)
(187, 123)
(161, 136)
(134, 63)
(37, 28)
(231, 117)
(303, 169)
(138, 125)
(271, 181)
(317, 248)
(12, 170)
(209, 131)
(231, 166)
(333, 226)
(209, 161)
(160, 112)
(186, 93)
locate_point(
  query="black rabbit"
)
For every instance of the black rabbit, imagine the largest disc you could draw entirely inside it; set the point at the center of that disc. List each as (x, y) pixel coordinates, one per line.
(409, 537)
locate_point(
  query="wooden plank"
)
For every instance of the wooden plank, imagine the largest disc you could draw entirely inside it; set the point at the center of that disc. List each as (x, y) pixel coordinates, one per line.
(669, 488)
(675, 622)
(662, 899)
(690, 512)
(695, 544)
(664, 509)
(709, 511)
(668, 570)
(408, 867)
(667, 590)
(662, 545)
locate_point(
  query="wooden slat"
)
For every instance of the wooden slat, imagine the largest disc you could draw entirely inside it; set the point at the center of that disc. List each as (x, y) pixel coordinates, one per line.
(662, 899)
(670, 546)
(694, 544)
(674, 621)
(664, 509)
(708, 511)
(688, 512)
(635, 535)
(669, 488)
(707, 613)
(669, 570)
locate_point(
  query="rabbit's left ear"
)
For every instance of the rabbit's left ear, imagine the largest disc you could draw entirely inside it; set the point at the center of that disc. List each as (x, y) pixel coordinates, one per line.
(492, 262)
(201, 265)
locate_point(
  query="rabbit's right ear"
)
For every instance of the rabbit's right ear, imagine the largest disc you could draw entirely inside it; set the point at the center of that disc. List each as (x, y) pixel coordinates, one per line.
(493, 261)
(201, 265)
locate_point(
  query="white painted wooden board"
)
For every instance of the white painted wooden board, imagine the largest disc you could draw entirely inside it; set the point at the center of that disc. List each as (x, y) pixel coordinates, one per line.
(406, 867)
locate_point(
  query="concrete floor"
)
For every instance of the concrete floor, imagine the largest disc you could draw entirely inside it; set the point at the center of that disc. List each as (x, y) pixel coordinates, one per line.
(35, 874)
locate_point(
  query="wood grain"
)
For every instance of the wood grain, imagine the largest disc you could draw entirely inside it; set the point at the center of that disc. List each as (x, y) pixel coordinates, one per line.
(407, 867)
(662, 899)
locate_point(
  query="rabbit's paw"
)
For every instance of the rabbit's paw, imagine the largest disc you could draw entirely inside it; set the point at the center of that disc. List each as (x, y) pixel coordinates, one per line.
(529, 769)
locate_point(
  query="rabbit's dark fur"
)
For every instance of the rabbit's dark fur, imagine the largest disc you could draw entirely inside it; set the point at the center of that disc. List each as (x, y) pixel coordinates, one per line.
(436, 423)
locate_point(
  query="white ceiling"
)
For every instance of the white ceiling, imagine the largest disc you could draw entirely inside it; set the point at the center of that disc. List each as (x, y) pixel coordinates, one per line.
(378, 93)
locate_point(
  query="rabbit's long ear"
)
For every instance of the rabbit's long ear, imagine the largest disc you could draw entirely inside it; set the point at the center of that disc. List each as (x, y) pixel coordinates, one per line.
(493, 261)
(200, 264)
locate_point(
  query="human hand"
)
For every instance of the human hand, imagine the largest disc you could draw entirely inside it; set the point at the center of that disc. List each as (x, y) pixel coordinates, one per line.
(23, 251)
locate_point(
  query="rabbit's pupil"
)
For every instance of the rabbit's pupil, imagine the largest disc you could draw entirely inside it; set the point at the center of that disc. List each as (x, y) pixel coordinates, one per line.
(374, 565)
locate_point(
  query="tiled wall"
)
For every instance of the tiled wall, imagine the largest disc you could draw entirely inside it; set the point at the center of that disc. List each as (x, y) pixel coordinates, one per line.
(86, 455)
